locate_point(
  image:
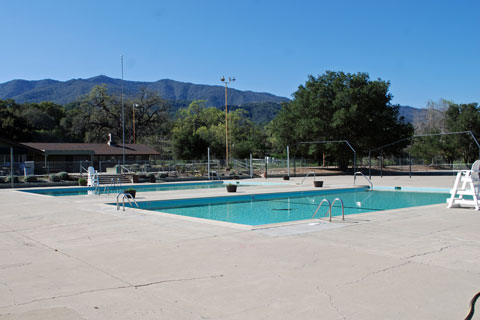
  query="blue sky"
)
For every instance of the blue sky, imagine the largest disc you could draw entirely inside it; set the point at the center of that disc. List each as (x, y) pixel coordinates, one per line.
(427, 49)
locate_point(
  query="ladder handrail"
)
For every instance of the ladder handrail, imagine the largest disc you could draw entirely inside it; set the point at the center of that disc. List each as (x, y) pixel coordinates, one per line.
(330, 206)
(307, 177)
(320, 204)
(368, 180)
(127, 196)
(343, 208)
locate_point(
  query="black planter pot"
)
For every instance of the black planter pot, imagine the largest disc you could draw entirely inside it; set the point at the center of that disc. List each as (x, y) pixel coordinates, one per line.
(286, 178)
(231, 188)
(318, 184)
(133, 193)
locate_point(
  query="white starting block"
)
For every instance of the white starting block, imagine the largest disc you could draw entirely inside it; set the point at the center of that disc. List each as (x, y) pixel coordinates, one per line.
(467, 183)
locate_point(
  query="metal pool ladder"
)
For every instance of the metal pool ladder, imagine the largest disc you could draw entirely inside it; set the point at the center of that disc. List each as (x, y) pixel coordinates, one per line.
(127, 196)
(330, 206)
(368, 180)
(307, 177)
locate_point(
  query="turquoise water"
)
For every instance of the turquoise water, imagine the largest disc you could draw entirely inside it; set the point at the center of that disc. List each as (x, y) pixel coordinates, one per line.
(284, 207)
(140, 188)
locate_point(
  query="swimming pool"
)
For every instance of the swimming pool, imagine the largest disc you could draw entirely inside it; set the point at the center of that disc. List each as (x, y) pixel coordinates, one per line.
(271, 208)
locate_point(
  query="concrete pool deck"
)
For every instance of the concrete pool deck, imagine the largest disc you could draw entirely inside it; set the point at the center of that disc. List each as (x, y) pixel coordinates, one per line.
(77, 258)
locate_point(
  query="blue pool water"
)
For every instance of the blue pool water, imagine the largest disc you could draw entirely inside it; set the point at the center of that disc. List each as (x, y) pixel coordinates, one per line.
(140, 188)
(284, 207)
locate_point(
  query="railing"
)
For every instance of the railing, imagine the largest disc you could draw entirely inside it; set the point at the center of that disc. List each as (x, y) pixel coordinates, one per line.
(368, 180)
(330, 206)
(216, 174)
(307, 177)
(127, 196)
(320, 204)
(124, 168)
(343, 208)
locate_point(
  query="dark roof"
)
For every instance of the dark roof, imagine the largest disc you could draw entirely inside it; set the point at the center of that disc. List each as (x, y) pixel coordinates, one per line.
(101, 149)
(18, 147)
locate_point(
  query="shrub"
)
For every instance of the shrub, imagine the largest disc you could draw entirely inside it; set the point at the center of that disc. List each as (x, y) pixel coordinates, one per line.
(8, 179)
(30, 178)
(133, 192)
(82, 182)
(151, 177)
(63, 176)
(54, 178)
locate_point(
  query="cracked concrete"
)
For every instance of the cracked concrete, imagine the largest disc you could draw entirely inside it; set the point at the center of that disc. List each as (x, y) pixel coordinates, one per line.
(77, 258)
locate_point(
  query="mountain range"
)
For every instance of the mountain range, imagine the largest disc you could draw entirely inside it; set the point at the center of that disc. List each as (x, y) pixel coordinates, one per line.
(261, 106)
(64, 92)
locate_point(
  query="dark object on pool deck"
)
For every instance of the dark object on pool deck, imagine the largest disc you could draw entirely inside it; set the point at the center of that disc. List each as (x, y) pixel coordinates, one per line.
(82, 182)
(286, 178)
(472, 306)
(318, 184)
(231, 188)
(132, 192)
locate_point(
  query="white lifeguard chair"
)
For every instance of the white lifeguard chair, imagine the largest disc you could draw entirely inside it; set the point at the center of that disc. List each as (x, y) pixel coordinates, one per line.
(467, 183)
(92, 180)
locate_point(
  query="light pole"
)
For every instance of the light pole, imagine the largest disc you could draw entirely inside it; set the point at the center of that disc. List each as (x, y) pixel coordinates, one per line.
(123, 120)
(230, 79)
(133, 113)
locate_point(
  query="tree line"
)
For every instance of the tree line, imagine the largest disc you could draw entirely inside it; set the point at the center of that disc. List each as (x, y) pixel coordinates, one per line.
(330, 107)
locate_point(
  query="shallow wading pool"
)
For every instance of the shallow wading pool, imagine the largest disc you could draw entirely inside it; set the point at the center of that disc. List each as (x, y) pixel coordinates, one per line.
(105, 189)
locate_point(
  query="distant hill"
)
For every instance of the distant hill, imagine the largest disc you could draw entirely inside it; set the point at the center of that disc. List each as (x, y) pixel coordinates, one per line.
(64, 92)
(261, 106)
(411, 113)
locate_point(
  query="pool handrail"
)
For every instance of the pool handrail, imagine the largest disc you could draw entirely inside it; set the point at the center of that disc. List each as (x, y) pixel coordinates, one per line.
(320, 204)
(343, 208)
(307, 177)
(360, 173)
(127, 196)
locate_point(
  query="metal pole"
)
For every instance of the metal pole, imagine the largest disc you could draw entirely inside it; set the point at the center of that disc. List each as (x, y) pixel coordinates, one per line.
(288, 161)
(123, 120)
(294, 165)
(133, 114)
(266, 168)
(208, 163)
(11, 167)
(226, 125)
(251, 166)
(410, 163)
(381, 166)
(369, 165)
(354, 162)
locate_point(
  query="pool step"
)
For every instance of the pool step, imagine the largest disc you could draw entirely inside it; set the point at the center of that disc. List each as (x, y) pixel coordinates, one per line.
(107, 178)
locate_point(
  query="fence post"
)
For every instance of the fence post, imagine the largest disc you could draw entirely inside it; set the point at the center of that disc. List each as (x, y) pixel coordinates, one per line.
(251, 166)
(381, 166)
(369, 165)
(208, 163)
(11, 167)
(288, 161)
(410, 163)
(266, 168)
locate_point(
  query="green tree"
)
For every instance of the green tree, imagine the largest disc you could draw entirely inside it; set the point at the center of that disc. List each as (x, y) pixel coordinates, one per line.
(99, 113)
(198, 127)
(13, 126)
(45, 119)
(340, 106)
(463, 117)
